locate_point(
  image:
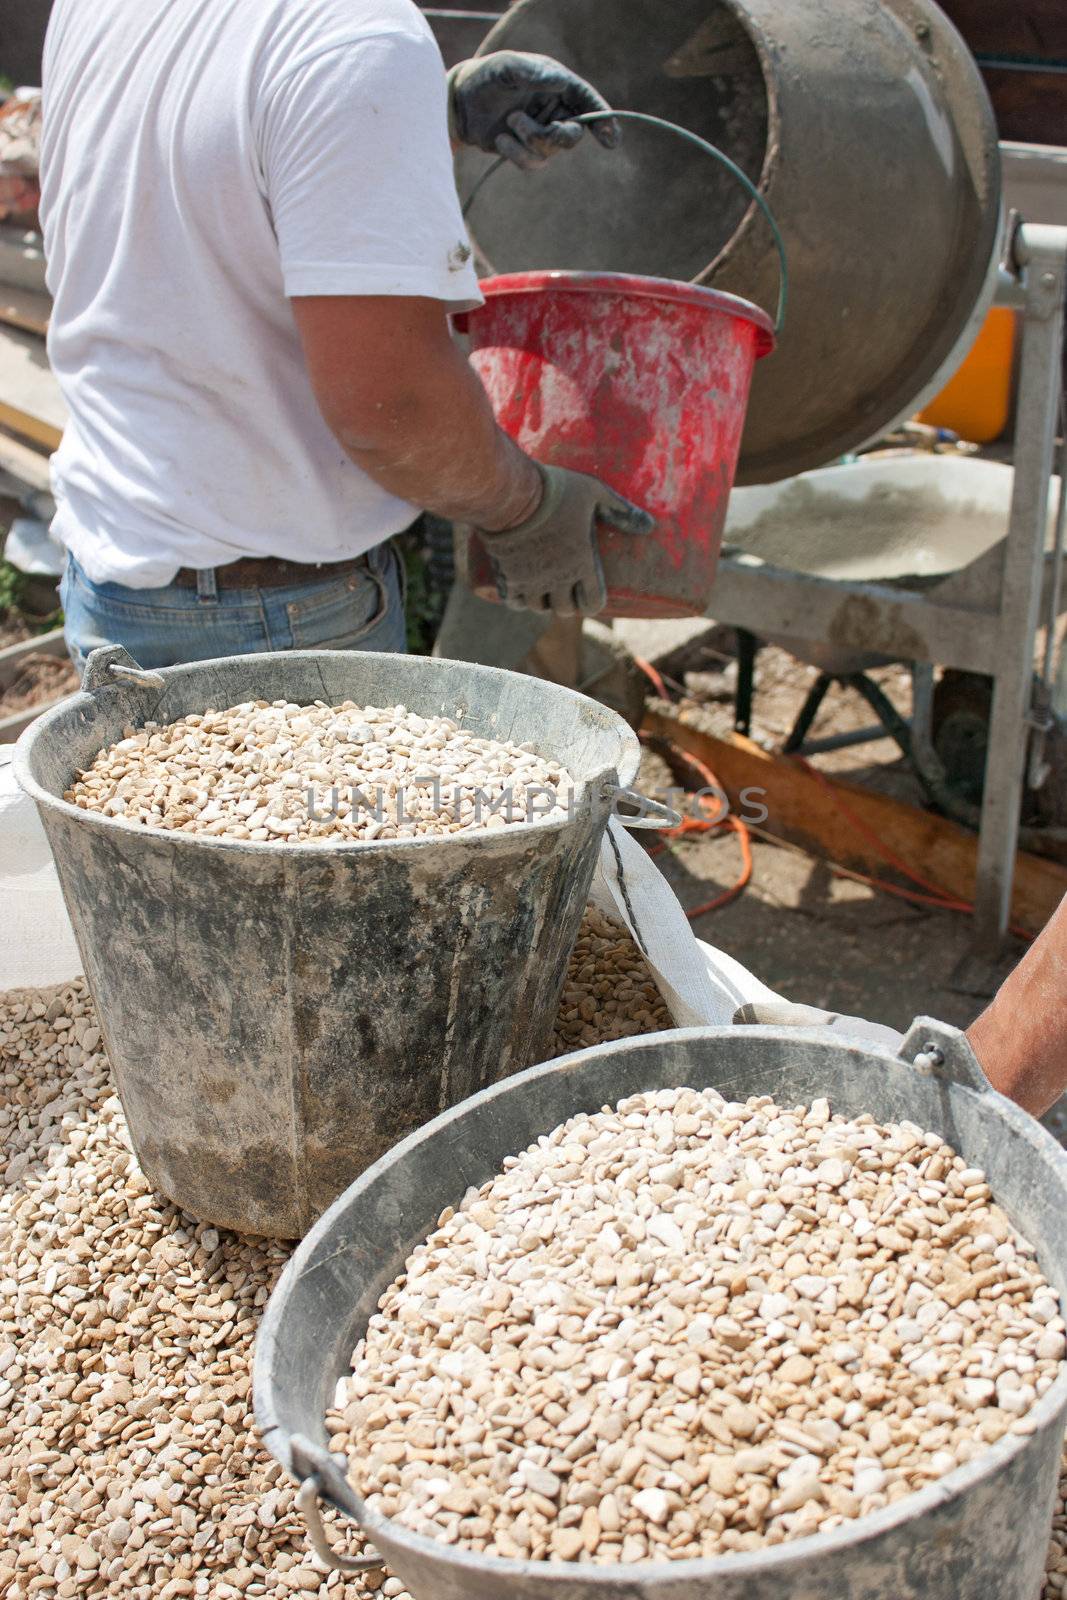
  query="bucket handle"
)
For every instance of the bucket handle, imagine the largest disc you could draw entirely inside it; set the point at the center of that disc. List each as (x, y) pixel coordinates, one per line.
(307, 1501)
(111, 661)
(318, 1473)
(940, 1051)
(701, 144)
(649, 813)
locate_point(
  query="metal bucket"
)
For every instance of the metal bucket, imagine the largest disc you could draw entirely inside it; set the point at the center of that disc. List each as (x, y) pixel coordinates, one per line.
(869, 132)
(277, 1016)
(978, 1533)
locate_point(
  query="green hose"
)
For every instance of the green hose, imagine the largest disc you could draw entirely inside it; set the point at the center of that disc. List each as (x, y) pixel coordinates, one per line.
(702, 144)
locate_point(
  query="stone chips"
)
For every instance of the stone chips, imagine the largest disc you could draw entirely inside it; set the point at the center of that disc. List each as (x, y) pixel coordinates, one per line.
(686, 1327)
(609, 992)
(280, 771)
(129, 1466)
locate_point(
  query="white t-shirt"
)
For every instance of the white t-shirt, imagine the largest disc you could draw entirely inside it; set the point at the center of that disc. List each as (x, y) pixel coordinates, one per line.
(202, 160)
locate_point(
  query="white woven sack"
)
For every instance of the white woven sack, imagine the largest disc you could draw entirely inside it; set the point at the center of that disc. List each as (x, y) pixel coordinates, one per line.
(701, 985)
(37, 948)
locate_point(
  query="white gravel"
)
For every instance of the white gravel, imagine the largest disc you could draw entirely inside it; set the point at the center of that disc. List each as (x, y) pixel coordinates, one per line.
(319, 773)
(129, 1465)
(686, 1327)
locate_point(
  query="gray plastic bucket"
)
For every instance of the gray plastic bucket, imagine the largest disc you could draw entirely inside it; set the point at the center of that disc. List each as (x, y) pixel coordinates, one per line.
(277, 1016)
(979, 1533)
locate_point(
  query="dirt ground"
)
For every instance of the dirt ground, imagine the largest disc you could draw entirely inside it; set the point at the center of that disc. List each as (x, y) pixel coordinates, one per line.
(41, 678)
(815, 936)
(829, 941)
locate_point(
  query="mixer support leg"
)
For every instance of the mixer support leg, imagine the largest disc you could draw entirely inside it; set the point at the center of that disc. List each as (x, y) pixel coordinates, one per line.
(1041, 256)
(808, 712)
(747, 647)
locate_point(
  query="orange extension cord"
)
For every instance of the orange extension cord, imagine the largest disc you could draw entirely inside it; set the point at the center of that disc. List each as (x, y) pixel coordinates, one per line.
(714, 819)
(933, 895)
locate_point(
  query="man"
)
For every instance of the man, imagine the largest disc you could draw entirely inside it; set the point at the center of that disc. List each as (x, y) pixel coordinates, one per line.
(254, 243)
(1021, 1037)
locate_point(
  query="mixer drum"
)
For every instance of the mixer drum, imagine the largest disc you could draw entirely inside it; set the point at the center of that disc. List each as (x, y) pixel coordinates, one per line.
(868, 129)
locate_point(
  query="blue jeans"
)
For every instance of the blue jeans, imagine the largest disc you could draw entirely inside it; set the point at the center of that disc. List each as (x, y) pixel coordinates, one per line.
(362, 609)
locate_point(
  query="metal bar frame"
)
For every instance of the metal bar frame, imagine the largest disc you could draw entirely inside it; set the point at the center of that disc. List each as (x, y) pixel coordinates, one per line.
(1040, 257)
(994, 637)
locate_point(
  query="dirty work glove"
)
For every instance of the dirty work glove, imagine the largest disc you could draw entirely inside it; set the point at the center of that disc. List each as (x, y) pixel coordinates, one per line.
(551, 562)
(520, 106)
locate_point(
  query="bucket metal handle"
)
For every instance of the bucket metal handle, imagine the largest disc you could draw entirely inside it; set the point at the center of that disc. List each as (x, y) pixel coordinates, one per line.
(307, 1500)
(701, 144)
(318, 1472)
(111, 661)
(940, 1051)
(650, 813)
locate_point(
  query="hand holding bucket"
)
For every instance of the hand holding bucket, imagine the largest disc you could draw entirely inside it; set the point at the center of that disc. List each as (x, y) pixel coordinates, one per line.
(639, 382)
(551, 562)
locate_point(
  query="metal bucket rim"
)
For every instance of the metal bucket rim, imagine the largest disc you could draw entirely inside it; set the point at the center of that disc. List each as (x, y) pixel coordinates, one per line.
(636, 286)
(624, 774)
(858, 1531)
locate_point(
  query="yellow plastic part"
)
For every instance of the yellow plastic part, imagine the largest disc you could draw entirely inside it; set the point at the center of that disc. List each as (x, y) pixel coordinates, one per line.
(976, 403)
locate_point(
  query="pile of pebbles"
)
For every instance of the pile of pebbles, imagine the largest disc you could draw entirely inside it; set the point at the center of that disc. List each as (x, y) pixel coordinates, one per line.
(687, 1327)
(129, 1465)
(128, 1460)
(609, 992)
(279, 771)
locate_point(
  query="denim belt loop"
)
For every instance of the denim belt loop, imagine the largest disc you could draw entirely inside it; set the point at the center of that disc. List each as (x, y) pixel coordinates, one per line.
(207, 588)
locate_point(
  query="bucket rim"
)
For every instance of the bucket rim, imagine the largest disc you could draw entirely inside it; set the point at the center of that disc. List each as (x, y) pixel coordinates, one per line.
(1048, 1410)
(631, 285)
(585, 791)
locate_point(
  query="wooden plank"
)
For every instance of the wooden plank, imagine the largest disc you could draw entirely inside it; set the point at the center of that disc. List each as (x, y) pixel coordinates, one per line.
(22, 467)
(30, 400)
(25, 308)
(11, 660)
(12, 656)
(801, 809)
(31, 427)
(13, 727)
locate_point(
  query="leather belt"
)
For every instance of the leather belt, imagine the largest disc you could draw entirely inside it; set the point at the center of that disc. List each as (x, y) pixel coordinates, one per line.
(270, 572)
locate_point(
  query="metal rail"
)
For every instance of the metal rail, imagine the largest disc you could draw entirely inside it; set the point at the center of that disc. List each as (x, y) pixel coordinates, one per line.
(994, 634)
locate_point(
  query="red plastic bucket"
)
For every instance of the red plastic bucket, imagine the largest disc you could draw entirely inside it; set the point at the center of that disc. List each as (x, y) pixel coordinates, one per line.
(642, 382)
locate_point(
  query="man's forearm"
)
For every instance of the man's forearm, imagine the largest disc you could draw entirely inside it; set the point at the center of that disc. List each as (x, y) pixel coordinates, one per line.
(438, 445)
(1021, 1037)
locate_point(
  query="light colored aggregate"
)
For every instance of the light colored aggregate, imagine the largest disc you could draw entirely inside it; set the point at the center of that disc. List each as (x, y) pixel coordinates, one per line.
(686, 1327)
(609, 992)
(118, 1296)
(372, 772)
(129, 1465)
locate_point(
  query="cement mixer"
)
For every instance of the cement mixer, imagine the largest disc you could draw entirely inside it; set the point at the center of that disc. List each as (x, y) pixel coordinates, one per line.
(866, 128)
(868, 132)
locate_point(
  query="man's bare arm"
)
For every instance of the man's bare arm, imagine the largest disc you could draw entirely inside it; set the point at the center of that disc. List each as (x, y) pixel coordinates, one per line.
(407, 406)
(1021, 1037)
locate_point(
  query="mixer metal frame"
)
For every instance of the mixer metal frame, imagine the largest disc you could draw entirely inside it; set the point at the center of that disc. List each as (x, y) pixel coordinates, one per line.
(994, 635)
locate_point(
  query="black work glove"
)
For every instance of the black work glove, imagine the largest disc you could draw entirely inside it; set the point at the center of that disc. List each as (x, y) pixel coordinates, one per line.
(514, 104)
(551, 561)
